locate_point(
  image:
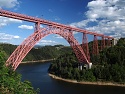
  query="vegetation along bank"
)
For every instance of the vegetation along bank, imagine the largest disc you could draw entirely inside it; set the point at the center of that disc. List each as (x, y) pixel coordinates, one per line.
(108, 66)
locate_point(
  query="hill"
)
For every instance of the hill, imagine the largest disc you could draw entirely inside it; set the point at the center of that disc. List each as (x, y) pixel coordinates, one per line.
(38, 52)
(108, 66)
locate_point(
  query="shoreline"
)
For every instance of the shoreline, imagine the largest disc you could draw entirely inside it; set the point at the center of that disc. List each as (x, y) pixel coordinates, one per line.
(87, 82)
(42, 61)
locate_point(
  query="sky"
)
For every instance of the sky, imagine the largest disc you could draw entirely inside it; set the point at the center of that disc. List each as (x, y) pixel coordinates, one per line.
(101, 16)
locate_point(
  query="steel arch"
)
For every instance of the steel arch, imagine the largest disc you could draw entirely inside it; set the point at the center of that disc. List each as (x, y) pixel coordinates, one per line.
(22, 50)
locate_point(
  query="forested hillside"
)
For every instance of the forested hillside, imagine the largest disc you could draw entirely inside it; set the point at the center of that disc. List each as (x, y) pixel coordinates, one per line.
(39, 52)
(109, 65)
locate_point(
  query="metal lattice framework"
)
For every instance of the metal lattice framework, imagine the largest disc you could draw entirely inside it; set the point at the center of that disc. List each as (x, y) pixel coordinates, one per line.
(22, 50)
(85, 46)
(82, 52)
(95, 46)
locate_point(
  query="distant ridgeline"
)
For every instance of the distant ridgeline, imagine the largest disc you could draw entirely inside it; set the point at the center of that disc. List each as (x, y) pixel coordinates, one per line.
(38, 52)
(109, 65)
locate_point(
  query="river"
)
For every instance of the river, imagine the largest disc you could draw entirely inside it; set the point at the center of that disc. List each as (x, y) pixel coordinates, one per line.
(37, 74)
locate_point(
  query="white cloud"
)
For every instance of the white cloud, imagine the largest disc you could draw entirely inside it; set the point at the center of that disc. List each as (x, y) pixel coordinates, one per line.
(4, 21)
(82, 23)
(50, 10)
(16, 37)
(105, 16)
(8, 3)
(58, 36)
(57, 18)
(6, 37)
(25, 27)
(47, 42)
(79, 24)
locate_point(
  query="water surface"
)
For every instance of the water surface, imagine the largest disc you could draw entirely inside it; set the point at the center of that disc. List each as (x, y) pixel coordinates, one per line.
(37, 74)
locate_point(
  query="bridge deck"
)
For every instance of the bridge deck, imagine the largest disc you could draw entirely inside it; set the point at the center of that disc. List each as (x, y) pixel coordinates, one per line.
(46, 22)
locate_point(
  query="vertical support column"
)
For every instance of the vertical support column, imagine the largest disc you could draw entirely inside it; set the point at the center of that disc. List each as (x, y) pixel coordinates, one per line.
(36, 30)
(95, 50)
(103, 43)
(115, 41)
(85, 46)
(109, 42)
(80, 66)
(37, 26)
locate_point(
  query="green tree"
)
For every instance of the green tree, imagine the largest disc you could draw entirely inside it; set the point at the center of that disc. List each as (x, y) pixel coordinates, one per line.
(10, 81)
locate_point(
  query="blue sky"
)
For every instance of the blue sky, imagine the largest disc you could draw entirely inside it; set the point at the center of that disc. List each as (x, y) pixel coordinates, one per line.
(101, 16)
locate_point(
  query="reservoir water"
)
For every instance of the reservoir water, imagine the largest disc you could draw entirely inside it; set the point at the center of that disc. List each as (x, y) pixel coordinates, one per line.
(37, 74)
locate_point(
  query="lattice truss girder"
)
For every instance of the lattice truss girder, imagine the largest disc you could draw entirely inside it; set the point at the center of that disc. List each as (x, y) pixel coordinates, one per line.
(23, 49)
(39, 33)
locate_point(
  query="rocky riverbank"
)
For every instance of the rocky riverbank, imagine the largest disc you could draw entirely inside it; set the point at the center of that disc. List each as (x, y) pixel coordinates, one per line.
(86, 82)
